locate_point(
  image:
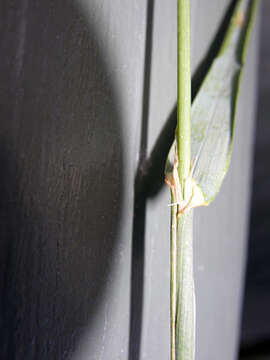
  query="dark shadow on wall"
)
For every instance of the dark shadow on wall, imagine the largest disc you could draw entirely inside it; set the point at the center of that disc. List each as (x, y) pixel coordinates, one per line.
(140, 199)
(61, 178)
(255, 331)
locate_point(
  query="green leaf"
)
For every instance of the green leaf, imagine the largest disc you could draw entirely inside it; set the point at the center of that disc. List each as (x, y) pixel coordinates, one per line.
(214, 109)
(212, 128)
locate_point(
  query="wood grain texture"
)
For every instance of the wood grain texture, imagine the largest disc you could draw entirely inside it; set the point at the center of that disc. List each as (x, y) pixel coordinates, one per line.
(71, 100)
(61, 177)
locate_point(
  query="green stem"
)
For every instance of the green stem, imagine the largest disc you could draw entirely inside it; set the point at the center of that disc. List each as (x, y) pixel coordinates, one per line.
(183, 132)
(185, 295)
(182, 303)
(182, 288)
(173, 290)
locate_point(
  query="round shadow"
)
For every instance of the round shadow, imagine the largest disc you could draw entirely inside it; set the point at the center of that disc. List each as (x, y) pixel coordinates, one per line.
(61, 177)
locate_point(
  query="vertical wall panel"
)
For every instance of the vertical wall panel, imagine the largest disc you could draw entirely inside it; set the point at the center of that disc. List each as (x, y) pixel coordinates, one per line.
(86, 88)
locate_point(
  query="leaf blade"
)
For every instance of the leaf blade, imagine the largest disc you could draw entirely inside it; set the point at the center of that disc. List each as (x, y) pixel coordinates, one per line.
(211, 149)
(214, 108)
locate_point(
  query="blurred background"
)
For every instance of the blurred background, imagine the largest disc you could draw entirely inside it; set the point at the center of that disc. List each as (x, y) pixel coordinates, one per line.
(255, 334)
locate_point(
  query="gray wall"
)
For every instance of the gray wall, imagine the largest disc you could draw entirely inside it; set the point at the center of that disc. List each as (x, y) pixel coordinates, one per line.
(256, 314)
(86, 88)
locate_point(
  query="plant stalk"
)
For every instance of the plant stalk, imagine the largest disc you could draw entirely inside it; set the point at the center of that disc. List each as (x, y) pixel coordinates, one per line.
(182, 283)
(220, 92)
(173, 280)
(183, 131)
(185, 306)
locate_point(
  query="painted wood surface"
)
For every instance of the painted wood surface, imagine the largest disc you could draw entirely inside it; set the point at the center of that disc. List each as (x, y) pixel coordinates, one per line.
(86, 87)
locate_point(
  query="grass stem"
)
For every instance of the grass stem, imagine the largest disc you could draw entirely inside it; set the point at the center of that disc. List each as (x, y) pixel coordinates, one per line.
(183, 132)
